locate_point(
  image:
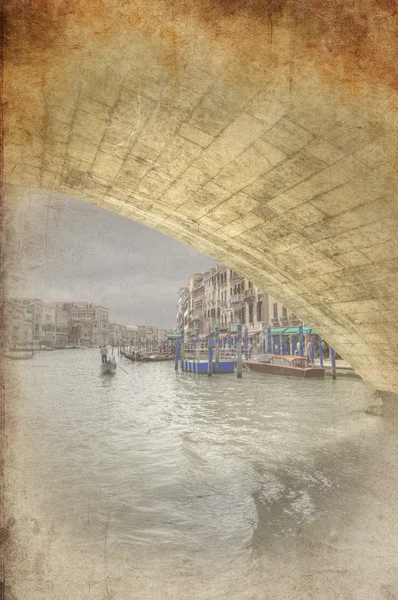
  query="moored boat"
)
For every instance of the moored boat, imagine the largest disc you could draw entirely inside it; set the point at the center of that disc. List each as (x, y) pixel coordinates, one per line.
(18, 354)
(157, 357)
(133, 357)
(289, 366)
(137, 357)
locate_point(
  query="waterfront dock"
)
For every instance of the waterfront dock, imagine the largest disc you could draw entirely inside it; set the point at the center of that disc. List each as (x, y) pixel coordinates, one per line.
(343, 368)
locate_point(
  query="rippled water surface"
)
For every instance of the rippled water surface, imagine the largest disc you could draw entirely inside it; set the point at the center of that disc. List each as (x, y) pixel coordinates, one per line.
(197, 472)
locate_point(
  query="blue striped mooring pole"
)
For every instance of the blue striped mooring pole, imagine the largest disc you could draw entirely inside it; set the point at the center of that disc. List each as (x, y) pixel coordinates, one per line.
(217, 361)
(333, 362)
(176, 356)
(320, 348)
(197, 349)
(239, 352)
(182, 349)
(210, 358)
(301, 340)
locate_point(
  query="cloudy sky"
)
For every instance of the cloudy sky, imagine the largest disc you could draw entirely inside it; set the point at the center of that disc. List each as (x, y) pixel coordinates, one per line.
(68, 250)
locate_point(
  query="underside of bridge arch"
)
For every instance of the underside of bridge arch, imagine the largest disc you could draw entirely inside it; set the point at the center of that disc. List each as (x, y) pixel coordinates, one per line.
(262, 133)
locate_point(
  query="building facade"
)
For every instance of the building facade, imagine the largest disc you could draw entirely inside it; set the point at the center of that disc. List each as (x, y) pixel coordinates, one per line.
(222, 298)
(18, 325)
(61, 328)
(88, 323)
(37, 323)
(146, 338)
(117, 334)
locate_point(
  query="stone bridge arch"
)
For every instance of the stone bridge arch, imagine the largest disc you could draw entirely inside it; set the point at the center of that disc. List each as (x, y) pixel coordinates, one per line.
(262, 133)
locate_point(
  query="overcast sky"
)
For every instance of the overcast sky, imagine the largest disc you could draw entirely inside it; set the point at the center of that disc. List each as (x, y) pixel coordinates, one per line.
(69, 250)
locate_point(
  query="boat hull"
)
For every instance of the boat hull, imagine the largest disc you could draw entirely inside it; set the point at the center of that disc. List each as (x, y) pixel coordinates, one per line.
(300, 373)
(140, 358)
(18, 356)
(149, 359)
(108, 368)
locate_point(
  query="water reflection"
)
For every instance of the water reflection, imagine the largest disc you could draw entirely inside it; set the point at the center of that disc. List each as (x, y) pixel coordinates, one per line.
(195, 470)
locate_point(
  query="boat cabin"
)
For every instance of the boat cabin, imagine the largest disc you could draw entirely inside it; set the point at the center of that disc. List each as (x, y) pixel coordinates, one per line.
(300, 362)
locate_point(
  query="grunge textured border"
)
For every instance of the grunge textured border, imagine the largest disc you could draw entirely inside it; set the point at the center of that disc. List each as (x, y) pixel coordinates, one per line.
(331, 73)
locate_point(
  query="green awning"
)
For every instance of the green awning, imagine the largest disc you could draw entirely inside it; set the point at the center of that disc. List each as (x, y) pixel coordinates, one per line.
(309, 331)
(295, 331)
(277, 330)
(291, 331)
(172, 336)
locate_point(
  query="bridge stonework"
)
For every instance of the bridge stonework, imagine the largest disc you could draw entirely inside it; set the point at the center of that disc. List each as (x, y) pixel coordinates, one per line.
(263, 134)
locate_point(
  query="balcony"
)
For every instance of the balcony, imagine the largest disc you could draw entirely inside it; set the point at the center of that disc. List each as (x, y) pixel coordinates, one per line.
(249, 294)
(197, 319)
(236, 298)
(256, 327)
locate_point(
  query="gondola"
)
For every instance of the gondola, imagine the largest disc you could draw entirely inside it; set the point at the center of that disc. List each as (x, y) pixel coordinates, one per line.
(136, 357)
(157, 358)
(133, 357)
(108, 367)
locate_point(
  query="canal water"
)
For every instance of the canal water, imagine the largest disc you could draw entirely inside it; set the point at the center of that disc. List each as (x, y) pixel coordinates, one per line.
(156, 484)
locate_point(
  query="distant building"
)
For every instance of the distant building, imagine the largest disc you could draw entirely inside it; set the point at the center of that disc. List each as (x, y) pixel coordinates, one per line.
(83, 332)
(18, 325)
(61, 328)
(39, 317)
(146, 337)
(131, 335)
(88, 323)
(117, 334)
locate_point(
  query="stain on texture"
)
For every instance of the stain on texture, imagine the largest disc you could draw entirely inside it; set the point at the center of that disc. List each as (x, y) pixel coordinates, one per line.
(347, 42)
(342, 39)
